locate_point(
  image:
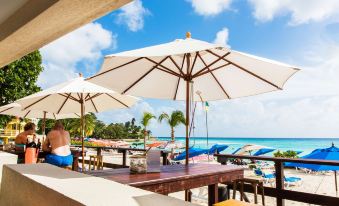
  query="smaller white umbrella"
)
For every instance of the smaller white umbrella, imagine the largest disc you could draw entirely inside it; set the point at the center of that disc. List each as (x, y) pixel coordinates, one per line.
(15, 109)
(247, 149)
(77, 96)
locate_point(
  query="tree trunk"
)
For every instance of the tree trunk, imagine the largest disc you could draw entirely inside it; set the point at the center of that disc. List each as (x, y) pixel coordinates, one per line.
(172, 137)
(145, 134)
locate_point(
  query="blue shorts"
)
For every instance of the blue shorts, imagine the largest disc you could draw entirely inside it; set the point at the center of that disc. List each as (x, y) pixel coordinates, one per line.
(60, 161)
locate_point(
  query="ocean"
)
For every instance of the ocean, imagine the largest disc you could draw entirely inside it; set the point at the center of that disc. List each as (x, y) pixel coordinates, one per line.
(306, 145)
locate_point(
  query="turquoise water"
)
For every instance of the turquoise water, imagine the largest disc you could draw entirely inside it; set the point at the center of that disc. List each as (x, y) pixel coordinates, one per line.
(306, 145)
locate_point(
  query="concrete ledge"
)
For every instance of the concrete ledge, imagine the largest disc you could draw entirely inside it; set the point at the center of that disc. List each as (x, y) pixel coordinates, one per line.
(6, 158)
(44, 184)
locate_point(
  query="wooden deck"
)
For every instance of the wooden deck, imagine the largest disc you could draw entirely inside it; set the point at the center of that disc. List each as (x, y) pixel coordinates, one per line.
(174, 178)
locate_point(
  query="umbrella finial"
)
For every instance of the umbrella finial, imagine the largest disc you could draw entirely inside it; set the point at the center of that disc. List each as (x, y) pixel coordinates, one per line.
(188, 35)
(80, 74)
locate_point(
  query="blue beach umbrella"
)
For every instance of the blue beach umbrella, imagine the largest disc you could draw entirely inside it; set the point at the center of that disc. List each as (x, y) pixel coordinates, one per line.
(217, 148)
(192, 152)
(331, 153)
(235, 151)
(263, 151)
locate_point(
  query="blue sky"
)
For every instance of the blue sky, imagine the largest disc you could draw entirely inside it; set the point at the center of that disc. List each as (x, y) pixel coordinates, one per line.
(302, 33)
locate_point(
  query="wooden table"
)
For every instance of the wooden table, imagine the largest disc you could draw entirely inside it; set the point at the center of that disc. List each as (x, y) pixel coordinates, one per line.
(175, 178)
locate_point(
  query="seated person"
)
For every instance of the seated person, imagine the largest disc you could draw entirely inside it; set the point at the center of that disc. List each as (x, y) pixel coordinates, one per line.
(58, 143)
(21, 139)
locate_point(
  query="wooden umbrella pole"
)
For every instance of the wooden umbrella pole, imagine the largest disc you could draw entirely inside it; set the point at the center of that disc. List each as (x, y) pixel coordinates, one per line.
(82, 132)
(44, 127)
(335, 179)
(188, 79)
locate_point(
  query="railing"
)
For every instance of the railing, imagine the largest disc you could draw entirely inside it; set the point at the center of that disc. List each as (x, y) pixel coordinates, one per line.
(123, 150)
(279, 192)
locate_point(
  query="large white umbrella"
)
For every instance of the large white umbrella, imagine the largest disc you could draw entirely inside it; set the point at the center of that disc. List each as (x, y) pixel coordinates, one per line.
(76, 96)
(178, 69)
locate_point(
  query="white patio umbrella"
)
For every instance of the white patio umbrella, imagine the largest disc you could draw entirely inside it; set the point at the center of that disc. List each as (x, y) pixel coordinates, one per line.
(15, 109)
(247, 149)
(76, 96)
(178, 69)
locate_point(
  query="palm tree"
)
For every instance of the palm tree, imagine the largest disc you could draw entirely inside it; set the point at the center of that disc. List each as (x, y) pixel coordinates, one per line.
(145, 121)
(176, 118)
(74, 125)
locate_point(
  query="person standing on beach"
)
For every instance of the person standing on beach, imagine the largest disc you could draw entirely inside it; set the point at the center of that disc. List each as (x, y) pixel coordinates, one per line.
(58, 143)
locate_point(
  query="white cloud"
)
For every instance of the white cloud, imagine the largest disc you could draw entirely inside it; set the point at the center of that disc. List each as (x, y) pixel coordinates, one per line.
(222, 37)
(84, 45)
(301, 11)
(210, 7)
(133, 15)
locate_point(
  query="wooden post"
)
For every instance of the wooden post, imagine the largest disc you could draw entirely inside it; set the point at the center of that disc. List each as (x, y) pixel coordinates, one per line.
(279, 179)
(212, 194)
(99, 151)
(124, 157)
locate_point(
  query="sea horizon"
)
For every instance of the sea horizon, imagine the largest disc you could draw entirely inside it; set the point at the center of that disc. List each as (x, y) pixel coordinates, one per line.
(306, 145)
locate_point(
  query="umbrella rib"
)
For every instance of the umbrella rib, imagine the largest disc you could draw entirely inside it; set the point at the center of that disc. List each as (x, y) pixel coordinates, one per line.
(247, 71)
(134, 60)
(182, 66)
(219, 67)
(64, 103)
(94, 96)
(195, 58)
(215, 61)
(176, 90)
(117, 100)
(215, 78)
(6, 109)
(143, 76)
(54, 116)
(164, 69)
(177, 66)
(93, 103)
(71, 97)
(37, 101)
(77, 115)
(27, 113)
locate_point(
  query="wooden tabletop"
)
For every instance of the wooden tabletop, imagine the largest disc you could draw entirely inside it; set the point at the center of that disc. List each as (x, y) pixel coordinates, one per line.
(168, 173)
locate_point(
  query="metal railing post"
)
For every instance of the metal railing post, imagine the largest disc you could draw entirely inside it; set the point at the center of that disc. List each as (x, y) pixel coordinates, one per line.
(279, 181)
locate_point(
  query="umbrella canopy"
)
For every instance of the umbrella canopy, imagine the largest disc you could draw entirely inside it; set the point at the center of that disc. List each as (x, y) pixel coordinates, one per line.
(15, 109)
(247, 149)
(178, 69)
(217, 148)
(263, 151)
(66, 98)
(192, 153)
(76, 96)
(235, 151)
(331, 153)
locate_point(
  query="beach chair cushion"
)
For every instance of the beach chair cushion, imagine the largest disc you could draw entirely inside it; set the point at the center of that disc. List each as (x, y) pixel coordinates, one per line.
(292, 179)
(234, 203)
